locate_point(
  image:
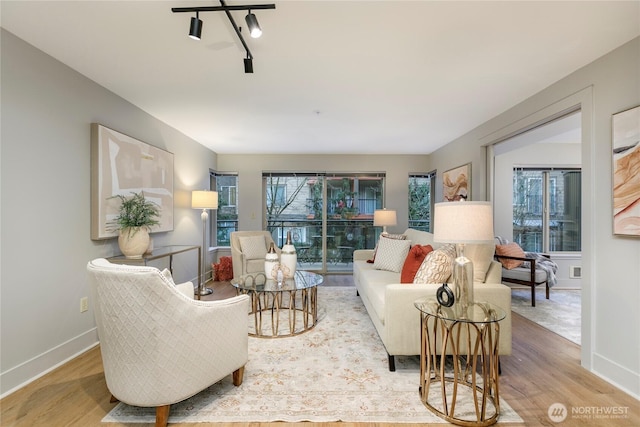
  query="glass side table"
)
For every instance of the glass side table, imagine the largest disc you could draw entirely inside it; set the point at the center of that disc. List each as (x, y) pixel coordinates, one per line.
(461, 387)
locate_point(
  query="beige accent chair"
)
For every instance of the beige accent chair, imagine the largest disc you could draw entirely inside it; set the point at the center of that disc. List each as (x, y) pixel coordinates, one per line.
(160, 346)
(249, 260)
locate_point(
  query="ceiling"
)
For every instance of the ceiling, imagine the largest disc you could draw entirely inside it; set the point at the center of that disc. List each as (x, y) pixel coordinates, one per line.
(330, 77)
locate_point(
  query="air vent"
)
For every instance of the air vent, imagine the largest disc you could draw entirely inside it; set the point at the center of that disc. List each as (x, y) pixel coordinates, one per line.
(575, 272)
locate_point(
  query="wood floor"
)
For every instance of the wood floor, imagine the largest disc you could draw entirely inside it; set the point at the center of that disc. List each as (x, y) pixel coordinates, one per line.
(543, 369)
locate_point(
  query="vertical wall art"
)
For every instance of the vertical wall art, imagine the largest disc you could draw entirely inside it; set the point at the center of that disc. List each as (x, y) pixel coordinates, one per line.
(456, 184)
(121, 165)
(626, 172)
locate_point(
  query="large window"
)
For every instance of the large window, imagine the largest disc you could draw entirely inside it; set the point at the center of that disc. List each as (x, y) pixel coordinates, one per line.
(226, 184)
(420, 200)
(329, 215)
(547, 209)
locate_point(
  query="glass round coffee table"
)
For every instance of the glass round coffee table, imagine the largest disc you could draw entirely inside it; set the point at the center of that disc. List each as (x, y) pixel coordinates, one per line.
(293, 300)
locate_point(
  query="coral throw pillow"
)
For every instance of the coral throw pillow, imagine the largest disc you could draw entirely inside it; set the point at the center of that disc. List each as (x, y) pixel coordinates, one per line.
(412, 263)
(510, 249)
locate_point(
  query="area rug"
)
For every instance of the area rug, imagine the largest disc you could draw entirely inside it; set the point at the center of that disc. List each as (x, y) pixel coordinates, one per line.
(337, 371)
(560, 313)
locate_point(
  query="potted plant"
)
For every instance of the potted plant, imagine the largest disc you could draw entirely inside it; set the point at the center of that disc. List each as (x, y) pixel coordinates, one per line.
(134, 221)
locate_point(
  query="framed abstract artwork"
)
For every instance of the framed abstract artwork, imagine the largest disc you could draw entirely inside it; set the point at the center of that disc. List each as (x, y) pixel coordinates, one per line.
(625, 139)
(121, 165)
(456, 183)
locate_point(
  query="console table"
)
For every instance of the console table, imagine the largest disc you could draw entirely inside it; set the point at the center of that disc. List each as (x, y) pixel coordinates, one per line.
(469, 338)
(161, 252)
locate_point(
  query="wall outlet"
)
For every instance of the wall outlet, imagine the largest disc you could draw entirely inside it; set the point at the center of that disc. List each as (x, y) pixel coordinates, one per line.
(84, 304)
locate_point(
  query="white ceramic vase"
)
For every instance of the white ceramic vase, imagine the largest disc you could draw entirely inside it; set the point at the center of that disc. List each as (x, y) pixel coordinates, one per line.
(133, 242)
(288, 257)
(271, 262)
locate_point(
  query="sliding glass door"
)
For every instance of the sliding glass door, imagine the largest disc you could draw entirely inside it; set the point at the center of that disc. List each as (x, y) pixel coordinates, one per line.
(328, 215)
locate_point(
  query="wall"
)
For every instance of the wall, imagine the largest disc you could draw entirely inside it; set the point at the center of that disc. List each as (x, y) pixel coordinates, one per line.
(250, 168)
(47, 109)
(611, 271)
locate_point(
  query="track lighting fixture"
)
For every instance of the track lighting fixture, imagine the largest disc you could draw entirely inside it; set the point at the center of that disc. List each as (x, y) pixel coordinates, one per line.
(195, 29)
(254, 27)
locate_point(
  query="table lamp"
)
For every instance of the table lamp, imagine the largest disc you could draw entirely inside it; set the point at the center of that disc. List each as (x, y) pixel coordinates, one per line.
(463, 223)
(204, 200)
(383, 218)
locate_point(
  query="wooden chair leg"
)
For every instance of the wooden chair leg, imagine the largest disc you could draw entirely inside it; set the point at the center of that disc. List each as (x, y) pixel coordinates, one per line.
(113, 399)
(238, 375)
(162, 415)
(533, 294)
(547, 285)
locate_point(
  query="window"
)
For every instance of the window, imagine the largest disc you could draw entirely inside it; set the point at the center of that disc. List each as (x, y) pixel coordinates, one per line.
(226, 184)
(420, 200)
(276, 194)
(547, 209)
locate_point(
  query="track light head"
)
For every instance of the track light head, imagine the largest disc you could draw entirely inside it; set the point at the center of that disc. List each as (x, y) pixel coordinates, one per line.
(248, 65)
(195, 29)
(254, 27)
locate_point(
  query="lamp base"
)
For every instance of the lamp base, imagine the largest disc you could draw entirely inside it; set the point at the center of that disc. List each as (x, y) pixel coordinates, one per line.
(204, 291)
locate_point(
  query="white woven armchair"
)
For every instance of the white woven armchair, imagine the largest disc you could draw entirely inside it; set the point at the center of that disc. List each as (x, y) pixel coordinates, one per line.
(160, 346)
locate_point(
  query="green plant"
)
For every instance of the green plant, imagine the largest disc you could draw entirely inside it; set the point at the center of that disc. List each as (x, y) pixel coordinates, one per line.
(135, 212)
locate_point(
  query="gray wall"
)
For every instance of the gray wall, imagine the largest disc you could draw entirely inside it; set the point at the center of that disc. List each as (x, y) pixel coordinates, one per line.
(610, 267)
(47, 109)
(250, 168)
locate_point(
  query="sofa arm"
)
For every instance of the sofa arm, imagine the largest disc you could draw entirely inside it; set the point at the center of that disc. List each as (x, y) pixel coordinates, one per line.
(362, 254)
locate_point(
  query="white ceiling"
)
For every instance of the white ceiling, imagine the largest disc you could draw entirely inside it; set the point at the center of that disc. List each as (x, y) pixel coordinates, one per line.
(335, 77)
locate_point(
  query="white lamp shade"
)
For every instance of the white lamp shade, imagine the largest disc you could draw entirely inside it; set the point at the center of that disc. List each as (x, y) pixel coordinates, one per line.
(463, 222)
(204, 199)
(384, 217)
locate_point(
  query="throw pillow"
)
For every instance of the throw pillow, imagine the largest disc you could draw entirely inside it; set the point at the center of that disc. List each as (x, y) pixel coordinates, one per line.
(481, 255)
(510, 249)
(388, 236)
(391, 254)
(437, 266)
(253, 247)
(412, 263)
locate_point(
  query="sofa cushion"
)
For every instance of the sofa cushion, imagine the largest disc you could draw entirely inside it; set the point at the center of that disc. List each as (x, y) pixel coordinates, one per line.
(412, 263)
(510, 249)
(253, 247)
(481, 256)
(391, 254)
(419, 237)
(437, 266)
(388, 236)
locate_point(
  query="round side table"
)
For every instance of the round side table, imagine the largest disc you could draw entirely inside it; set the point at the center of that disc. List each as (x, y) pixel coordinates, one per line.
(459, 361)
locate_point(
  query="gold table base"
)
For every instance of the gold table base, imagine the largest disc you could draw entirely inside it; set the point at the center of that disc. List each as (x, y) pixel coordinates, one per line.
(298, 309)
(473, 350)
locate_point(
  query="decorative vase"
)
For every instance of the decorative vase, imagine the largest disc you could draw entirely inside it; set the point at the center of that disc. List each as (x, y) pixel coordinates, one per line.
(133, 241)
(271, 262)
(288, 257)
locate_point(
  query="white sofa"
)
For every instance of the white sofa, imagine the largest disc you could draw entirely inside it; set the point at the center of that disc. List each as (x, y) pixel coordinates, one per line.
(389, 303)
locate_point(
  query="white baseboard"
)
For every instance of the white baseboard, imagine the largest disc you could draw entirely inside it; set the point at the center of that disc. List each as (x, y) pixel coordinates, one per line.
(621, 377)
(29, 371)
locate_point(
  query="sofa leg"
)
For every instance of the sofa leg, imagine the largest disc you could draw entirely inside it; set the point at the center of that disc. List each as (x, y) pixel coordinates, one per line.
(392, 363)
(357, 293)
(238, 376)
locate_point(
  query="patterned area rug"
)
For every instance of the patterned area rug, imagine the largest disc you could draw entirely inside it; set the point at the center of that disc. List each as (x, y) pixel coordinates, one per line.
(560, 313)
(336, 372)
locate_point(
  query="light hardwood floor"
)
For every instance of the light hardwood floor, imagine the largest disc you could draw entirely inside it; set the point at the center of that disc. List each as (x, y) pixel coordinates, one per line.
(543, 369)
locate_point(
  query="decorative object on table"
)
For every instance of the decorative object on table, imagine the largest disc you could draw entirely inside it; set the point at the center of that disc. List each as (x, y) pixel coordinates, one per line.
(204, 200)
(135, 218)
(271, 262)
(445, 295)
(456, 184)
(288, 257)
(383, 218)
(463, 223)
(121, 165)
(626, 178)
